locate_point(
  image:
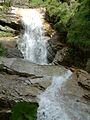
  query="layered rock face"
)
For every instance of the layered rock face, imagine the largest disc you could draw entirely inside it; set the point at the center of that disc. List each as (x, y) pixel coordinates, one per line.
(23, 80)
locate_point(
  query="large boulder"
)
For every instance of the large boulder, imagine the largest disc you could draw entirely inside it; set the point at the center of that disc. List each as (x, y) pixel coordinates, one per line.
(13, 53)
(54, 44)
(60, 55)
(74, 98)
(10, 44)
(83, 78)
(23, 80)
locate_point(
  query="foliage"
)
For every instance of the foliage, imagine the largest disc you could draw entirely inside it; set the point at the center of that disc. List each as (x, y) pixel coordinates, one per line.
(4, 7)
(88, 65)
(24, 111)
(35, 3)
(2, 49)
(79, 31)
(60, 12)
(72, 52)
(8, 3)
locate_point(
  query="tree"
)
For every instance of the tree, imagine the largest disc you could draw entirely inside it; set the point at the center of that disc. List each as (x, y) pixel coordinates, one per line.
(79, 31)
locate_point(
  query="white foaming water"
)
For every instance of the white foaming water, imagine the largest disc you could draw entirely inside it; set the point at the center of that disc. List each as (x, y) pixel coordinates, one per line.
(50, 107)
(33, 44)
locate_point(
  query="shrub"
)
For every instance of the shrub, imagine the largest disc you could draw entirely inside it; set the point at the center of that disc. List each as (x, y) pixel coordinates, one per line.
(24, 111)
(8, 3)
(60, 12)
(35, 3)
(79, 31)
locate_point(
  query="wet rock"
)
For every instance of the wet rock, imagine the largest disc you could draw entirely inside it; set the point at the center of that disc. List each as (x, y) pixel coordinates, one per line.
(71, 87)
(9, 42)
(77, 97)
(10, 45)
(13, 53)
(54, 45)
(21, 66)
(78, 85)
(60, 55)
(83, 79)
(5, 115)
(23, 80)
(6, 103)
(16, 88)
(87, 96)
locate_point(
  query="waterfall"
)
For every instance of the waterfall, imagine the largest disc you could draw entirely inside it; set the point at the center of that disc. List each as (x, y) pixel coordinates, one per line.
(54, 104)
(33, 43)
(50, 107)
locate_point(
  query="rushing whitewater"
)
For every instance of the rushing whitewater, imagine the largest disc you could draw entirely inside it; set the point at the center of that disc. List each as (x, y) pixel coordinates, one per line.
(49, 106)
(56, 105)
(33, 44)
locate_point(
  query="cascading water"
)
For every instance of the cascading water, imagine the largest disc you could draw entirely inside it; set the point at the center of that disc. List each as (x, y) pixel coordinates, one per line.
(49, 106)
(33, 44)
(53, 104)
(56, 105)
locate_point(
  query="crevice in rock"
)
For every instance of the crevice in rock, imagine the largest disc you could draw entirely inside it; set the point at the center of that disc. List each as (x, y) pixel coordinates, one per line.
(12, 25)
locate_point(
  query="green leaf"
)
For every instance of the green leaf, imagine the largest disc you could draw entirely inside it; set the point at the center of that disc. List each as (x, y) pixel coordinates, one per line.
(24, 111)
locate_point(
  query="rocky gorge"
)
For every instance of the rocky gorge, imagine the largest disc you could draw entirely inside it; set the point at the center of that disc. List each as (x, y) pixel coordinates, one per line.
(22, 80)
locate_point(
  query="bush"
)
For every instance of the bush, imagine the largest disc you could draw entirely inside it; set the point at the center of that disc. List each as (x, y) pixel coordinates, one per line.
(35, 3)
(79, 31)
(8, 3)
(24, 111)
(60, 12)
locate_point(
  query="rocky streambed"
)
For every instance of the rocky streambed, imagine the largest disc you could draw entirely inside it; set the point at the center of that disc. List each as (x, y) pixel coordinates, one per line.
(23, 80)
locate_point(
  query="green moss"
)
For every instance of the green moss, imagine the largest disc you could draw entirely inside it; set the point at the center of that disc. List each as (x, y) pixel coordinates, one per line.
(24, 111)
(5, 34)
